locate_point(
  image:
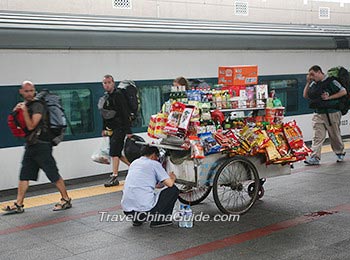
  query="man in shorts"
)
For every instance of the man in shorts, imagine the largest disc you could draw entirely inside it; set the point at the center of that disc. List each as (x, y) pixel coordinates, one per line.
(38, 151)
(116, 125)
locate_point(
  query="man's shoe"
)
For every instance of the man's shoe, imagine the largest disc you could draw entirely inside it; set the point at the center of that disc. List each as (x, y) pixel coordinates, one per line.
(340, 157)
(112, 181)
(312, 161)
(160, 224)
(16, 209)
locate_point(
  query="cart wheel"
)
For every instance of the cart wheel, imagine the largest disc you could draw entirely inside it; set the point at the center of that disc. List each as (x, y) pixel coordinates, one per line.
(236, 186)
(261, 191)
(193, 195)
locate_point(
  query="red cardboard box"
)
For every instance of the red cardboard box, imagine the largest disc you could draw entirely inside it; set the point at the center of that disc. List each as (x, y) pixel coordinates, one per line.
(238, 75)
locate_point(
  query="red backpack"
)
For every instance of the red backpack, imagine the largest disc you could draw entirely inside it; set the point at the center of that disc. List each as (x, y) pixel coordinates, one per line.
(16, 123)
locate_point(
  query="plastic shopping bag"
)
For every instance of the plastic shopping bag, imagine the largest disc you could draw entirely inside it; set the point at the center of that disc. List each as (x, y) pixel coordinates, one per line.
(101, 155)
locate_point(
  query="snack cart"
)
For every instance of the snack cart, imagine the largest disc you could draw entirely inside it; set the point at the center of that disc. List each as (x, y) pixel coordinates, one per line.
(216, 140)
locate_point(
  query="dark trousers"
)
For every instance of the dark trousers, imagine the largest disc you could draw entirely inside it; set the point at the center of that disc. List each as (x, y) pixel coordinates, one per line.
(166, 201)
(164, 206)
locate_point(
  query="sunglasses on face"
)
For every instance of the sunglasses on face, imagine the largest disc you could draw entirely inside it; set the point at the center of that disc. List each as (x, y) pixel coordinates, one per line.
(27, 91)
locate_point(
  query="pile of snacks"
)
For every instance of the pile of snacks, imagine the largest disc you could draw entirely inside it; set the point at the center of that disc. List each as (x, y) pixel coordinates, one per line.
(210, 120)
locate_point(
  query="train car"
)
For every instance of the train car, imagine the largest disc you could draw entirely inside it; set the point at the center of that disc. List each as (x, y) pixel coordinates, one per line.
(69, 55)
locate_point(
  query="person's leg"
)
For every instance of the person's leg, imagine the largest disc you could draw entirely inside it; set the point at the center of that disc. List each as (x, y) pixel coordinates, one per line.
(21, 193)
(116, 143)
(47, 163)
(29, 171)
(335, 134)
(115, 164)
(62, 188)
(319, 128)
(124, 160)
(166, 201)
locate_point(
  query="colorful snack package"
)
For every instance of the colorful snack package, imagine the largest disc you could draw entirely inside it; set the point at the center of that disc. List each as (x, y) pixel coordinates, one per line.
(209, 144)
(151, 126)
(171, 127)
(276, 134)
(293, 135)
(197, 151)
(185, 120)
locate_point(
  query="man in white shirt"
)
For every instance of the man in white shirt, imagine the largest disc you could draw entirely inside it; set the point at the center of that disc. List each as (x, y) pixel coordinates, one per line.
(139, 196)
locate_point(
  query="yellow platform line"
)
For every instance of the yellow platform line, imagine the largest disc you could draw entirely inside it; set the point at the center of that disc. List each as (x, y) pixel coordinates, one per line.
(328, 148)
(53, 198)
(91, 191)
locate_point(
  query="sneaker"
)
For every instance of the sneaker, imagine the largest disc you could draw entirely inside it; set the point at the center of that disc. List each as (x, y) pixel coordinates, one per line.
(312, 161)
(160, 224)
(340, 157)
(112, 181)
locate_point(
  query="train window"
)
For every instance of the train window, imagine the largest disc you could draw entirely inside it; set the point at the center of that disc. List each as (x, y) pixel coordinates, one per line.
(77, 105)
(287, 91)
(151, 98)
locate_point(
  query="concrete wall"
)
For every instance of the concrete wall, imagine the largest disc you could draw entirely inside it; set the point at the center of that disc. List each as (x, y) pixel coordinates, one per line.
(276, 11)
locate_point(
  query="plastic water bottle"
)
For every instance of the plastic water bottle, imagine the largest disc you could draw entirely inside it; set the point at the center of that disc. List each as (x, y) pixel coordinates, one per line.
(182, 222)
(188, 217)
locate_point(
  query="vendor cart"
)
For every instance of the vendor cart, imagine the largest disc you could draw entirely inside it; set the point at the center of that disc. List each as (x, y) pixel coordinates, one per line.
(236, 181)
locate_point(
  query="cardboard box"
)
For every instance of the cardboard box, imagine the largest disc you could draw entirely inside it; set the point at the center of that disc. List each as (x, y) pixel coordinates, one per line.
(238, 75)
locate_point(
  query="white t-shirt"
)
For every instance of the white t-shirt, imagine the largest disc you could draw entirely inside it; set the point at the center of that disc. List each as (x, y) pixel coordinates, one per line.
(139, 188)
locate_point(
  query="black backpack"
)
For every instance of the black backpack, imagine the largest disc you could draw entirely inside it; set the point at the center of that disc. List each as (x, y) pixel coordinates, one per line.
(132, 150)
(129, 89)
(343, 77)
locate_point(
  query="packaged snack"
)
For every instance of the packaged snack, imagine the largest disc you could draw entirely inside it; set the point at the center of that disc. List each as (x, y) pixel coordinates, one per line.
(276, 134)
(171, 127)
(293, 135)
(151, 126)
(255, 138)
(196, 148)
(161, 120)
(209, 143)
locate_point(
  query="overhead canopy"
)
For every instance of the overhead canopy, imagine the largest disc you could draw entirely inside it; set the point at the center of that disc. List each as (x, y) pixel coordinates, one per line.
(51, 31)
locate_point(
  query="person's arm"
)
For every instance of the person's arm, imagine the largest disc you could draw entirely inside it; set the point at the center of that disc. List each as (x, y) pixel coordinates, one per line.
(341, 91)
(170, 181)
(31, 122)
(307, 86)
(326, 96)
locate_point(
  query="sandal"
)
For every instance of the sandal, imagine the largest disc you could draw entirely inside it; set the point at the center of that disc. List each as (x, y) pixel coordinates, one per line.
(10, 210)
(63, 204)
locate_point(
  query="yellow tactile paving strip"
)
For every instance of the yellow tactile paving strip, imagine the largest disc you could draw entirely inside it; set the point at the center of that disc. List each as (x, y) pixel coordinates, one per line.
(53, 198)
(98, 190)
(328, 148)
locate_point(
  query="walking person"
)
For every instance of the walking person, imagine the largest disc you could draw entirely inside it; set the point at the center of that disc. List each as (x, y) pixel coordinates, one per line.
(38, 151)
(139, 197)
(324, 93)
(116, 124)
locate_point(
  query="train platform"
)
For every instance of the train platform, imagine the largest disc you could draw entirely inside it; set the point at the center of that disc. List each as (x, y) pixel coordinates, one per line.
(305, 215)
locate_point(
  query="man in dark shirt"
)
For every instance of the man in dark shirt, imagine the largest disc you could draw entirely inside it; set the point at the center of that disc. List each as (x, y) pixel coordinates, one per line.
(116, 125)
(38, 151)
(324, 119)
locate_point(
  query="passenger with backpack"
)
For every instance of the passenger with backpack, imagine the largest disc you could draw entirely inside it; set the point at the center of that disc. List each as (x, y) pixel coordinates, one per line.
(116, 119)
(324, 94)
(38, 150)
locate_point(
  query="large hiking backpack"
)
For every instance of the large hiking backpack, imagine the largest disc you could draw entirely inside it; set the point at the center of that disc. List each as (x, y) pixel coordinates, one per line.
(130, 92)
(57, 120)
(16, 123)
(343, 77)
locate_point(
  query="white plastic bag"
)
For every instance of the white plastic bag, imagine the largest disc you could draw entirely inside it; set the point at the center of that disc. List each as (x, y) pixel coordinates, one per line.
(101, 155)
